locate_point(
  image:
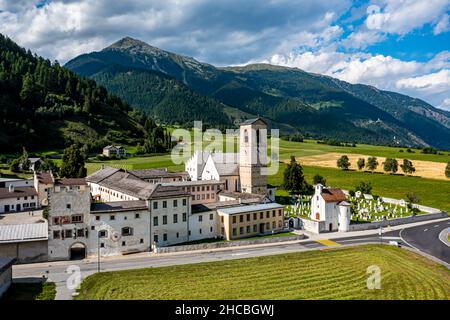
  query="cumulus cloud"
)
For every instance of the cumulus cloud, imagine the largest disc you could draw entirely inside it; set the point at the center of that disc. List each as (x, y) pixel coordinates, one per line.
(384, 72)
(401, 17)
(436, 82)
(220, 31)
(443, 25)
(384, 17)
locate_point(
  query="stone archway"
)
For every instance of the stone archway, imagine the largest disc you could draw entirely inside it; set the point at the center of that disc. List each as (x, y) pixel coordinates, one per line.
(77, 251)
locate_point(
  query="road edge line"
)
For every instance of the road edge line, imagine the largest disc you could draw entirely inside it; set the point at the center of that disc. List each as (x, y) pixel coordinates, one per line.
(424, 254)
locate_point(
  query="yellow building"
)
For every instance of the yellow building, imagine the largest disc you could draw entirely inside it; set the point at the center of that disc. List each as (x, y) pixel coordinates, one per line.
(250, 220)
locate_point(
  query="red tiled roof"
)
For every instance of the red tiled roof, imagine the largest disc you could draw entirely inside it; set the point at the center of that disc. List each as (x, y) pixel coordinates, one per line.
(333, 195)
(45, 178)
(71, 182)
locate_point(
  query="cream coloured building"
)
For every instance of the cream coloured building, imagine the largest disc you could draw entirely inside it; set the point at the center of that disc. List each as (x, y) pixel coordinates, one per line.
(250, 220)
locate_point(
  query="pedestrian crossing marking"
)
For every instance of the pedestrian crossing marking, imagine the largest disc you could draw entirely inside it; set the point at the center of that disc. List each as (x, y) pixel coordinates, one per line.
(328, 243)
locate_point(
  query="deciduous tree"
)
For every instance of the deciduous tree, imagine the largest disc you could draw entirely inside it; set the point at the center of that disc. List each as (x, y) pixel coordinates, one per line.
(294, 180)
(73, 163)
(407, 167)
(343, 162)
(390, 165)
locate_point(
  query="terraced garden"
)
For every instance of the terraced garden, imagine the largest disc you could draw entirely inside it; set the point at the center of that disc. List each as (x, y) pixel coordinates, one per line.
(325, 274)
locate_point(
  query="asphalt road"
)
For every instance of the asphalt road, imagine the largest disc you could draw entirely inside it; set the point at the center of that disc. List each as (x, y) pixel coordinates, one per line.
(423, 237)
(426, 238)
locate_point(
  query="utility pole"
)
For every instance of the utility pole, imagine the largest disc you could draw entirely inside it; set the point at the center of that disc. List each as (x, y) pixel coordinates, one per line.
(381, 234)
(98, 250)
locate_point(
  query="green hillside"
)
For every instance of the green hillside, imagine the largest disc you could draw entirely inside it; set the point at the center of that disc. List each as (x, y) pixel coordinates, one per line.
(161, 96)
(44, 106)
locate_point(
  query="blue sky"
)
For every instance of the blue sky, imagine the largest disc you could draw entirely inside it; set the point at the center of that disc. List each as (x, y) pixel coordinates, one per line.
(398, 45)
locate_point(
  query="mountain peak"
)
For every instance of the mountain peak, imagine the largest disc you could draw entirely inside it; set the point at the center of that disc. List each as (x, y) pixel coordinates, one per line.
(128, 43)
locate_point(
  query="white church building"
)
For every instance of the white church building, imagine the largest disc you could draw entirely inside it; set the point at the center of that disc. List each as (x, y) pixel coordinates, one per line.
(330, 208)
(241, 173)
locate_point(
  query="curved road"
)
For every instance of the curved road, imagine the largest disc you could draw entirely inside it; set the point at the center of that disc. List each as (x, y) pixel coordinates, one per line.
(426, 239)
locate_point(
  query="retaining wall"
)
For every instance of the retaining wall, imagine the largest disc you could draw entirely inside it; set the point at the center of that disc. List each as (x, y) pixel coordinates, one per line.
(396, 222)
(217, 245)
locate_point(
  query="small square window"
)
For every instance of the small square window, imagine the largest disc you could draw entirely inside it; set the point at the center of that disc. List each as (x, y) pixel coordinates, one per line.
(137, 216)
(112, 217)
(97, 218)
(124, 243)
(102, 245)
(68, 206)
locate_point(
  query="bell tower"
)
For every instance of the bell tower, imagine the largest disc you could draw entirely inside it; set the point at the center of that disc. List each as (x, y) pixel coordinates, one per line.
(253, 156)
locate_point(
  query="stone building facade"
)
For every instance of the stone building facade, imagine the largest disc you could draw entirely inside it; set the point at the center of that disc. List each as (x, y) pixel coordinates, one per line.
(68, 219)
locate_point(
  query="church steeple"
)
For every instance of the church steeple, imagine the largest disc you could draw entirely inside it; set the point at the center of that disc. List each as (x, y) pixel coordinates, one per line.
(253, 156)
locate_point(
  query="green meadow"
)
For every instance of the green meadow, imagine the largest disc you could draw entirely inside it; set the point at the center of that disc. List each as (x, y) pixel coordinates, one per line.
(304, 275)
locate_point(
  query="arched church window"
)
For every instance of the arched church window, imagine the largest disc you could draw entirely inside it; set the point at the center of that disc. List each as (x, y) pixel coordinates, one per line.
(245, 136)
(257, 137)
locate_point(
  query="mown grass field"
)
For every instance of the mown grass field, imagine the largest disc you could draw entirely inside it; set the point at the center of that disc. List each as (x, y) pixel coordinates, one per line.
(325, 274)
(431, 192)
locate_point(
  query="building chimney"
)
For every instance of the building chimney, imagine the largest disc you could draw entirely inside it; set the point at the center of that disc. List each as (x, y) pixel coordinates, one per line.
(11, 188)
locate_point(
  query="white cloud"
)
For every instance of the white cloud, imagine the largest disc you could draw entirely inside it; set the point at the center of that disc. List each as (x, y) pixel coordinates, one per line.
(419, 79)
(443, 25)
(398, 17)
(220, 32)
(401, 17)
(445, 104)
(435, 82)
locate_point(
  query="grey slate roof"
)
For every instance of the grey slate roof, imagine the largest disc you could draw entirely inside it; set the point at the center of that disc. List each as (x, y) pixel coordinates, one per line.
(18, 192)
(101, 174)
(227, 164)
(242, 195)
(156, 173)
(197, 208)
(168, 191)
(128, 184)
(250, 208)
(107, 207)
(251, 121)
(23, 232)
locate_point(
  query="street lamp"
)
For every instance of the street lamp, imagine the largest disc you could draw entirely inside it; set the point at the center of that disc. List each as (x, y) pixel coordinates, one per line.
(381, 234)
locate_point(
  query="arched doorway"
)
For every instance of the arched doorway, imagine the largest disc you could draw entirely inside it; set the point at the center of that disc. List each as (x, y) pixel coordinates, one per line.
(77, 251)
(291, 223)
(331, 227)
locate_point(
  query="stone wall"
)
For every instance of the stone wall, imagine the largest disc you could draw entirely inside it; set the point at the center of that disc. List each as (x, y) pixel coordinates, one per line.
(217, 245)
(396, 222)
(26, 252)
